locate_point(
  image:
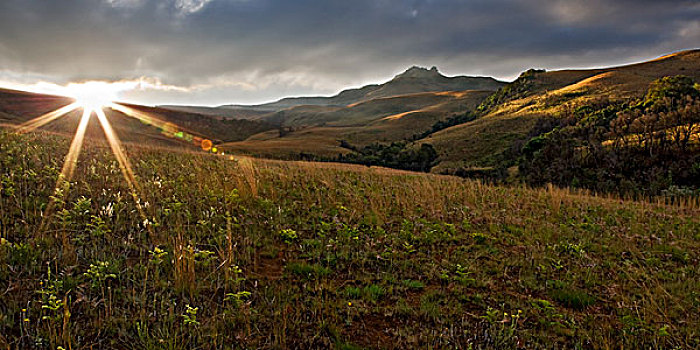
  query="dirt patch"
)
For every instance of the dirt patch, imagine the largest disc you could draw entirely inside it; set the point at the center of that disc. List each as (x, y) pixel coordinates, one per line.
(267, 267)
(372, 331)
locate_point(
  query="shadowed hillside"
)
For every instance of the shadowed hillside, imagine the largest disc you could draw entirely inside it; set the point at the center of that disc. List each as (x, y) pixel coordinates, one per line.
(17, 107)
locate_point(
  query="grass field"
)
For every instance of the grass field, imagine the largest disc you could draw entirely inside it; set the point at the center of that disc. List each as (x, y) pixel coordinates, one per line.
(249, 253)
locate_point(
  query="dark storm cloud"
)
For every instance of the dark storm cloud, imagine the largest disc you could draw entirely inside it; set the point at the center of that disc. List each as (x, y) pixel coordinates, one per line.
(252, 50)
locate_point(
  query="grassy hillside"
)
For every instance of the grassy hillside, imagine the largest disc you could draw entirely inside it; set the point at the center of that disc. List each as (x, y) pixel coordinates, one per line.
(224, 130)
(317, 130)
(251, 253)
(17, 107)
(219, 113)
(511, 113)
(382, 109)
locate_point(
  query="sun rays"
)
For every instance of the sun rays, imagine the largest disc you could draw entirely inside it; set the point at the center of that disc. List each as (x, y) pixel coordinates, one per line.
(46, 118)
(74, 151)
(96, 104)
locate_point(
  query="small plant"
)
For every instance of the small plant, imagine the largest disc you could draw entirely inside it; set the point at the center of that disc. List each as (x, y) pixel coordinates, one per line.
(53, 306)
(158, 255)
(54, 309)
(480, 238)
(306, 271)
(374, 292)
(413, 284)
(492, 315)
(353, 292)
(502, 328)
(203, 257)
(324, 228)
(190, 316)
(237, 298)
(462, 275)
(572, 298)
(236, 274)
(571, 249)
(98, 227)
(549, 316)
(288, 236)
(99, 273)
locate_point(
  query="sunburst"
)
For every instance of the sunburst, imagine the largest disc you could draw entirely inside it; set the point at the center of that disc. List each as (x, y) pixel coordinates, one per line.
(94, 98)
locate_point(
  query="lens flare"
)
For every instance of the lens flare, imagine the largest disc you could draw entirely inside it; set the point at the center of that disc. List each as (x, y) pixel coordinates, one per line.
(207, 145)
(166, 128)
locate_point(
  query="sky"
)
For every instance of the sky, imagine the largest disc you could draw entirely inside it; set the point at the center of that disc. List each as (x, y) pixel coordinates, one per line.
(213, 52)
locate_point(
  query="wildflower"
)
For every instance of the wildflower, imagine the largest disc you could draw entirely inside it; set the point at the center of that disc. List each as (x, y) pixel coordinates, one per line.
(108, 210)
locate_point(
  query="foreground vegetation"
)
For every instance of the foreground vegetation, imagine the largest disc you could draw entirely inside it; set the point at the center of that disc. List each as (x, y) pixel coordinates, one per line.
(249, 253)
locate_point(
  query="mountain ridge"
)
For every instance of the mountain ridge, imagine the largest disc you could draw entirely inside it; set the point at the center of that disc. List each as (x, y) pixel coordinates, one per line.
(414, 80)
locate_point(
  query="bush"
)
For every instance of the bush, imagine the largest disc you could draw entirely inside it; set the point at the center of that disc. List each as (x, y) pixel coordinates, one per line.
(397, 155)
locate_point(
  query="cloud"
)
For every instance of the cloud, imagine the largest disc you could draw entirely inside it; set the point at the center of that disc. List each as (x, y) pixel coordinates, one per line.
(182, 6)
(125, 3)
(190, 6)
(227, 51)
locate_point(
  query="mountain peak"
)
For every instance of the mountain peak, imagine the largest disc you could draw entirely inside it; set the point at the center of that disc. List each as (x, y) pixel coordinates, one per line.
(420, 72)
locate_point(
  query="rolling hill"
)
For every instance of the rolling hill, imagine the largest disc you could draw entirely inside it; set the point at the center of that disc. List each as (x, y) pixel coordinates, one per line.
(17, 107)
(512, 112)
(507, 119)
(415, 107)
(318, 130)
(408, 104)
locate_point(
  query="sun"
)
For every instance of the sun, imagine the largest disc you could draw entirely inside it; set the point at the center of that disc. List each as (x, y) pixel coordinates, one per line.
(92, 95)
(92, 102)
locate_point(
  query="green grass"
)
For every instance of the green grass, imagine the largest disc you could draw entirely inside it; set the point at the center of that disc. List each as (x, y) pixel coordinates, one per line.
(377, 259)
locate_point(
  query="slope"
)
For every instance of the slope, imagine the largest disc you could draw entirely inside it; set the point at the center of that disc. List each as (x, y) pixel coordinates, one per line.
(318, 130)
(17, 107)
(513, 112)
